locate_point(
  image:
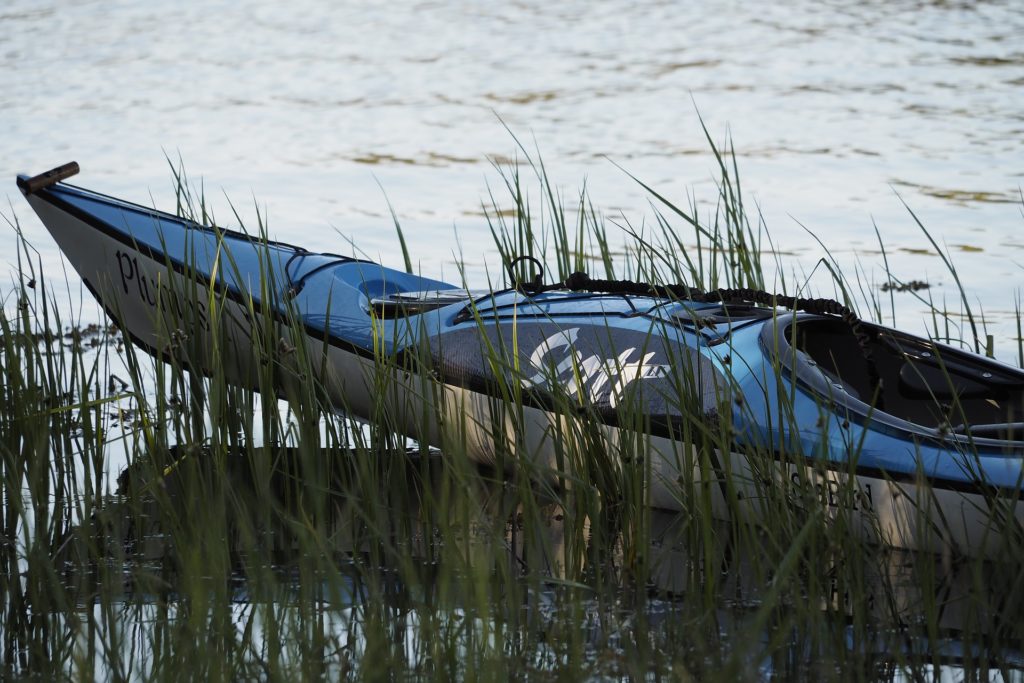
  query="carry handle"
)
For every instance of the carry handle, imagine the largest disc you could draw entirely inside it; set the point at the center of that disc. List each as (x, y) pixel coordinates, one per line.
(51, 177)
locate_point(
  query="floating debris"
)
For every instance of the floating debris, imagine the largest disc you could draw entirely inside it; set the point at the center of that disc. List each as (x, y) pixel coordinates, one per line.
(92, 335)
(911, 286)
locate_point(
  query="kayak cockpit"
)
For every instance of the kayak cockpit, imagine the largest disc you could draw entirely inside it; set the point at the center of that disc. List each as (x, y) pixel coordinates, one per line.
(933, 387)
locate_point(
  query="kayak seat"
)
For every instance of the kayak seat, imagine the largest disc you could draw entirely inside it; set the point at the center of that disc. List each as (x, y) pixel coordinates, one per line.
(926, 380)
(918, 385)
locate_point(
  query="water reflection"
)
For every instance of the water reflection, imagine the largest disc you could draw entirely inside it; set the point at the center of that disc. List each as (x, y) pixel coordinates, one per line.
(414, 576)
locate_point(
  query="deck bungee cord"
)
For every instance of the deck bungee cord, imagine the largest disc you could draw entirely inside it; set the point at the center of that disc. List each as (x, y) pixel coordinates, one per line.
(580, 281)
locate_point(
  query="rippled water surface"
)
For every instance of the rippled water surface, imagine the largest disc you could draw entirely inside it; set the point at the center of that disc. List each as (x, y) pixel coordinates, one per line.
(837, 111)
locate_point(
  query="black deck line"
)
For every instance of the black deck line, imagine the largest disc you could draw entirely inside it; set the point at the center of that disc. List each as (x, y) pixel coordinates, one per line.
(192, 225)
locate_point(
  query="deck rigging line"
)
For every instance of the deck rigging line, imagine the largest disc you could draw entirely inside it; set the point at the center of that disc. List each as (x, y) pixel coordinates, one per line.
(582, 282)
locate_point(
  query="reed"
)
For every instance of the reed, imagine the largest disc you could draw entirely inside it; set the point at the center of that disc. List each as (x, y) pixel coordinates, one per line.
(257, 533)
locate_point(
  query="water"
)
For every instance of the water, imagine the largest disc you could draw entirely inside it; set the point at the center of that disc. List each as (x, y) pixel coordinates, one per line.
(325, 112)
(145, 576)
(837, 112)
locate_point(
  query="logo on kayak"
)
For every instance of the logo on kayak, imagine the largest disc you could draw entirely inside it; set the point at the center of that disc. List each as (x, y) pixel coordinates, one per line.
(557, 360)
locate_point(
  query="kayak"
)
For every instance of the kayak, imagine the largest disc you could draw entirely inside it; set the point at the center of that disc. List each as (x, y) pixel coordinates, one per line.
(723, 401)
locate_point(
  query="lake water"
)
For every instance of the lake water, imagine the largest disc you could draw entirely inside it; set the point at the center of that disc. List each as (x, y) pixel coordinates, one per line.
(342, 596)
(837, 111)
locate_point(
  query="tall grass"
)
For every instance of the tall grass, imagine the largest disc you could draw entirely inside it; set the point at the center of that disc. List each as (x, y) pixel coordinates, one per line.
(260, 534)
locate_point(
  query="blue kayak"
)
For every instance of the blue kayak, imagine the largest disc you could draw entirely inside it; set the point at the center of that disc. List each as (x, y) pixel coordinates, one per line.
(921, 442)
